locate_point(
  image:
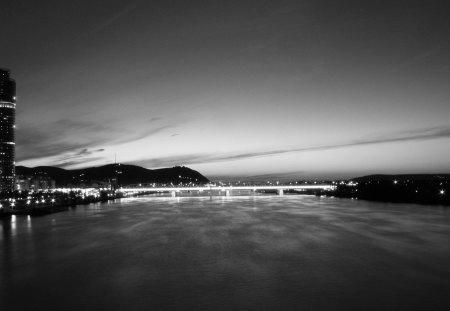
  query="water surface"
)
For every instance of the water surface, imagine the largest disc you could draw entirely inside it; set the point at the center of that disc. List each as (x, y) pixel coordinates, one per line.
(228, 253)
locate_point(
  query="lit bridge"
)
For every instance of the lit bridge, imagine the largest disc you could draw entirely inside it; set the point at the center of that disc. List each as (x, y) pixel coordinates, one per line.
(227, 189)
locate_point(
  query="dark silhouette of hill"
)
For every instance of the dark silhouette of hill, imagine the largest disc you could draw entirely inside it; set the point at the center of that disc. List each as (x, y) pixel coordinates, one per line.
(127, 174)
(401, 177)
(405, 188)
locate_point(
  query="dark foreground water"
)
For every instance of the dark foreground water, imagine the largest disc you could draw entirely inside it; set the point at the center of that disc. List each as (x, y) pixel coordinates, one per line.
(228, 253)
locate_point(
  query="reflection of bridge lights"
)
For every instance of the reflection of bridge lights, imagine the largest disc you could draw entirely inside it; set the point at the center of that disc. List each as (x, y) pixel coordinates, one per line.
(395, 182)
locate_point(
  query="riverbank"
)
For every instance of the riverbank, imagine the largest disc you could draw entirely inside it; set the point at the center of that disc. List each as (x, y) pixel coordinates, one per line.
(42, 203)
(428, 192)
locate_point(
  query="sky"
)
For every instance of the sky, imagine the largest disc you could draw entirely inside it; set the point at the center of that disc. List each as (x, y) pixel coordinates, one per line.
(234, 89)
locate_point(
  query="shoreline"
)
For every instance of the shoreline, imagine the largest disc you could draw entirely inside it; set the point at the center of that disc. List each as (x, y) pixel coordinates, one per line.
(64, 203)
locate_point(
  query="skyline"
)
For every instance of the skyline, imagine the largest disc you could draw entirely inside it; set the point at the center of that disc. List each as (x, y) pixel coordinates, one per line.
(259, 88)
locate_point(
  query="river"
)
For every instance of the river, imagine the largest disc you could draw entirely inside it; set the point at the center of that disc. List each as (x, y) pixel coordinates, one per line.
(228, 253)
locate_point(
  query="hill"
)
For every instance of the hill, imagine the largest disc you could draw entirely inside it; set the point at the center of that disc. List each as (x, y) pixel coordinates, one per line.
(405, 188)
(128, 174)
(401, 177)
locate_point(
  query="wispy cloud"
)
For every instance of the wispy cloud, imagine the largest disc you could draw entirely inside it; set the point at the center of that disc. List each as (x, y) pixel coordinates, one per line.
(53, 144)
(69, 138)
(59, 137)
(78, 161)
(412, 135)
(154, 119)
(84, 156)
(116, 17)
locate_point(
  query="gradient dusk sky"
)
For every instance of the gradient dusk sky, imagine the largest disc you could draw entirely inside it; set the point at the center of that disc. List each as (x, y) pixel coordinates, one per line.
(295, 89)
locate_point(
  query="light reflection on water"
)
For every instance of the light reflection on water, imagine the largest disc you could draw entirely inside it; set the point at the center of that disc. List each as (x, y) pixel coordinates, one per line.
(228, 253)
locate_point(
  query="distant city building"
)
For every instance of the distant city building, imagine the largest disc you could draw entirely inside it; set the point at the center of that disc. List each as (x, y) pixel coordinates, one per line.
(24, 183)
(7, 119)
(35, 183)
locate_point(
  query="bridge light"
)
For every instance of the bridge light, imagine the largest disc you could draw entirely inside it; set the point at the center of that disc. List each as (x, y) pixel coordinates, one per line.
(442, 192)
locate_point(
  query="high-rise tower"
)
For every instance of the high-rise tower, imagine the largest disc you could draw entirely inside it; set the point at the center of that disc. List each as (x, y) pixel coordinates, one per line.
(7, 119)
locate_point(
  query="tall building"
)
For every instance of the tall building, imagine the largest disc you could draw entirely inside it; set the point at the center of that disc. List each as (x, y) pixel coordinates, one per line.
(7, 119)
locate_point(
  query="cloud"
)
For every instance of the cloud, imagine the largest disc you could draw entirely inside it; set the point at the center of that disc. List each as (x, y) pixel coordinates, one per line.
(84, 156)
(77, 138)
(54, 144)
(175, 160)
(74, 162)
(142, 134)
(412, 135)
(59, 137)
(154, 119)
(106, 23)
(86, 152)
(83, 152)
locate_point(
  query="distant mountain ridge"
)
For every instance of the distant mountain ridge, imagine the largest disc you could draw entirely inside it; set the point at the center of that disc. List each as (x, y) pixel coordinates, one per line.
(383, 177)
(129, 174)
